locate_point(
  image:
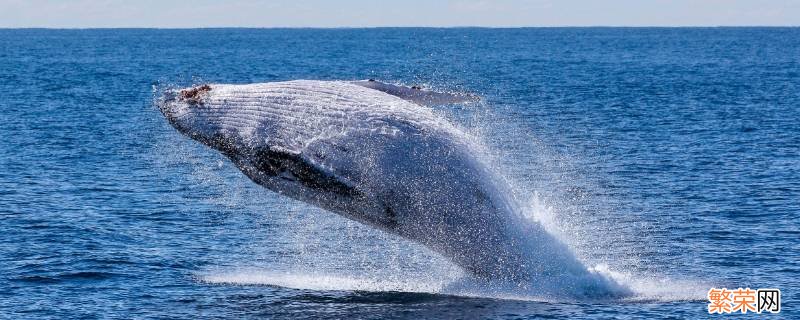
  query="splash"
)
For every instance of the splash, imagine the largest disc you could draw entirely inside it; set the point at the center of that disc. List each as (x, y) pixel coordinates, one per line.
(643, 289)
(408, 267)
(326, 282)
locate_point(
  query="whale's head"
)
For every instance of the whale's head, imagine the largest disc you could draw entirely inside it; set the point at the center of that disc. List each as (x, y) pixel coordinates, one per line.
(260, 144)
(188, 111)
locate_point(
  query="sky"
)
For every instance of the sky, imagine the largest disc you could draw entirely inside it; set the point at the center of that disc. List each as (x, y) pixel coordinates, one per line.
(375, 13)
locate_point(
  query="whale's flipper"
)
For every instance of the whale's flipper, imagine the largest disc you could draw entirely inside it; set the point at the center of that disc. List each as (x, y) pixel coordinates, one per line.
(418, 95)
(295, 167)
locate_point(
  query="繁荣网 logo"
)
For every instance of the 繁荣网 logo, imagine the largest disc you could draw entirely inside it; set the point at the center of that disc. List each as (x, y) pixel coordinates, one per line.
(744, 300)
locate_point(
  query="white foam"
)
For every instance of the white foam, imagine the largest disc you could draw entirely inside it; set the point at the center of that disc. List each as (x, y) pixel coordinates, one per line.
(657, 288)
(645, 289)
(322, 282)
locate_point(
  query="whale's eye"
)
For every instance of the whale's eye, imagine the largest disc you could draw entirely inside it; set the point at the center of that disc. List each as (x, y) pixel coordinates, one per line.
(193, 96)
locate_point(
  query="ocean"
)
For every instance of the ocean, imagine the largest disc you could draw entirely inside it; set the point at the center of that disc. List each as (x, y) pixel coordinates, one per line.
(668, 158)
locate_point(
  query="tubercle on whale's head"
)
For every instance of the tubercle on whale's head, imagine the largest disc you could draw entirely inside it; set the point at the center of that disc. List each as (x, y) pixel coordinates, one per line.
(186, 111)
(176, 103)
(194, 95)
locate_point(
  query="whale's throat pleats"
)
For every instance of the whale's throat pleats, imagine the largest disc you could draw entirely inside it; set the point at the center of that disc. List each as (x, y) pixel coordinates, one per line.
(294, 167)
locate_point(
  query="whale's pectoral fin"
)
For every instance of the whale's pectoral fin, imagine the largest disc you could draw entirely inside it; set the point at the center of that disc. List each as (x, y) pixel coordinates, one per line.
(417, 94)
(294, 167)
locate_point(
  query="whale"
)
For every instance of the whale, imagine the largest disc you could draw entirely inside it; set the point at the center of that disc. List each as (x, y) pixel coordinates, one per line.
(379, 154)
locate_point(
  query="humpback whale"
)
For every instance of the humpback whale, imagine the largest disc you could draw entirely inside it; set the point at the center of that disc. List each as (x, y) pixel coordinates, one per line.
(378, 154)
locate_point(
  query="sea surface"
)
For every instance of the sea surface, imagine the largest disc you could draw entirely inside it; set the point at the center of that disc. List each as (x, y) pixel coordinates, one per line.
(668, 158)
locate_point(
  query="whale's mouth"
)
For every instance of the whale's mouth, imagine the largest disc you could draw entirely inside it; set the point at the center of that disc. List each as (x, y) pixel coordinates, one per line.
(167, 104)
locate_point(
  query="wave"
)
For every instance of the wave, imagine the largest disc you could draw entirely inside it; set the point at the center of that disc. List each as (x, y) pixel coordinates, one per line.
(644, 289)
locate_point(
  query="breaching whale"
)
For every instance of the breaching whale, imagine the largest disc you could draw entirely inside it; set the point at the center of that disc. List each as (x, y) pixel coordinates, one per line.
(376, 153)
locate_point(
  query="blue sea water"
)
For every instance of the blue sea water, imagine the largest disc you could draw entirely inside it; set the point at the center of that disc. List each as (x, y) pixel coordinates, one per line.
(669, 158)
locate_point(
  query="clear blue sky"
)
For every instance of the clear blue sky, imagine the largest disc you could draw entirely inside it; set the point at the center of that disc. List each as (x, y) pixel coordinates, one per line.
(357, 13)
